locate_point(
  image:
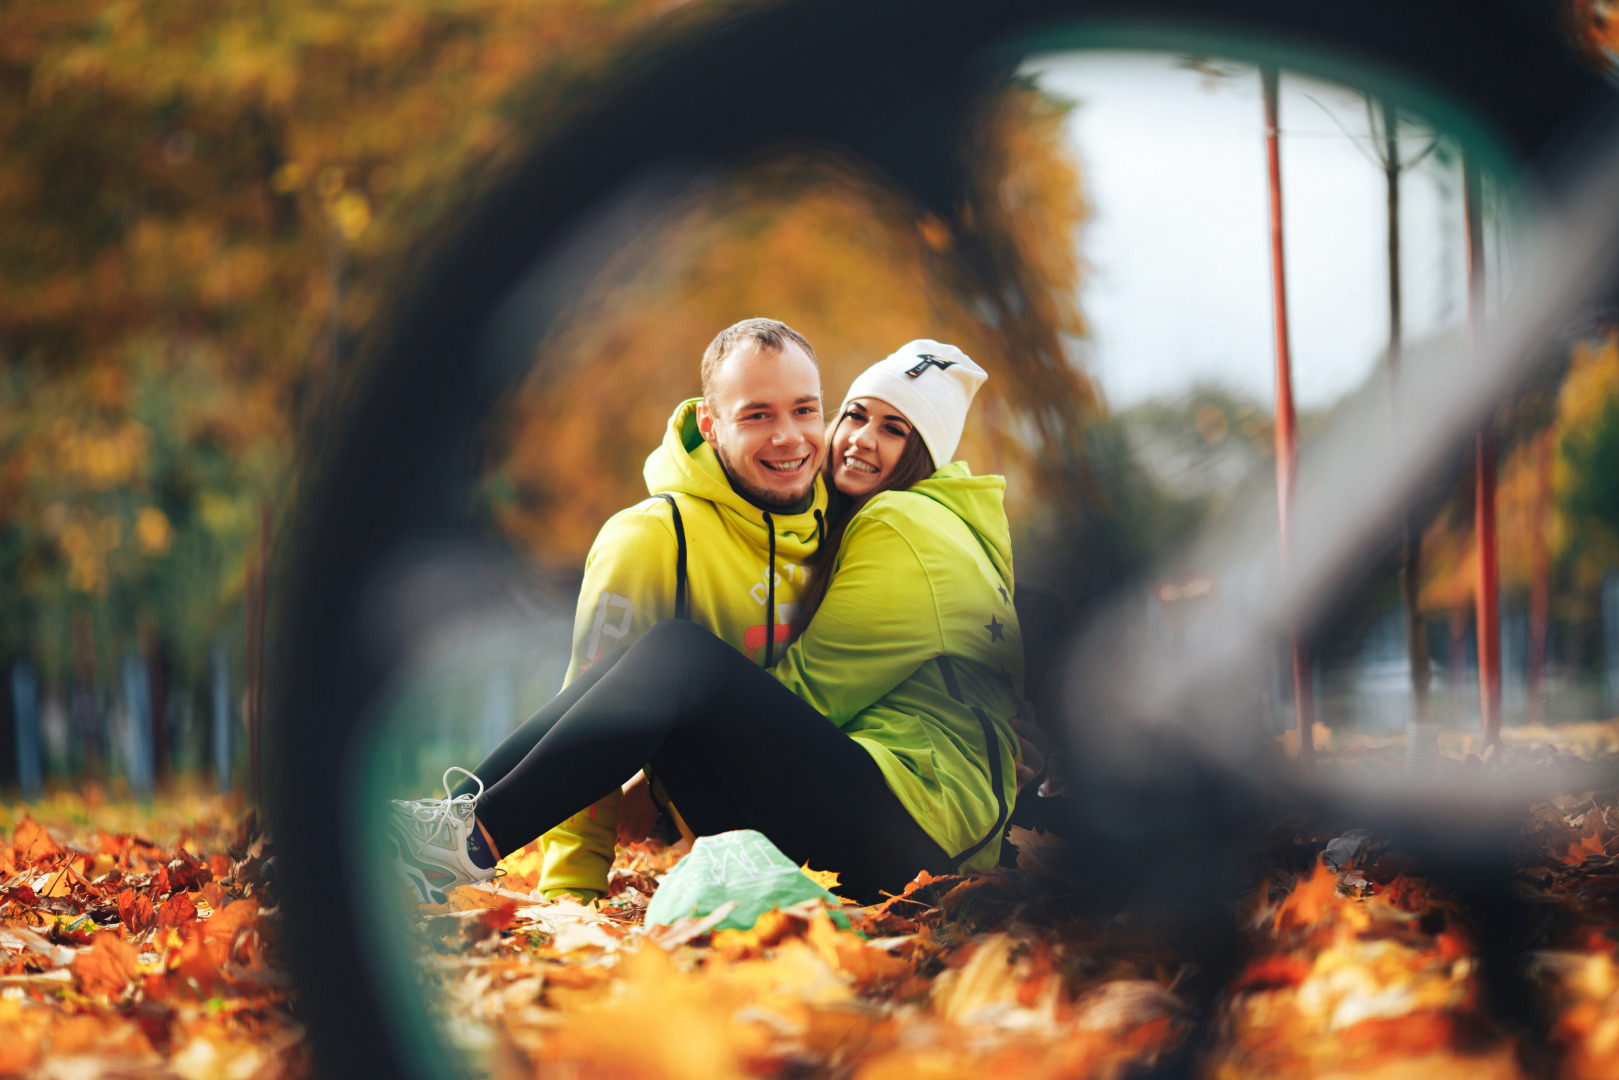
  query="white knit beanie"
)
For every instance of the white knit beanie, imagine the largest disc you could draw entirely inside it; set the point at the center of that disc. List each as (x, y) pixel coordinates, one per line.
(932, 384)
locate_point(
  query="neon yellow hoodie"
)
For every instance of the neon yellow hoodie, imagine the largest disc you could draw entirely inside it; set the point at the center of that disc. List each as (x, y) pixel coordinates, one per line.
(925, 574)
(629, 587)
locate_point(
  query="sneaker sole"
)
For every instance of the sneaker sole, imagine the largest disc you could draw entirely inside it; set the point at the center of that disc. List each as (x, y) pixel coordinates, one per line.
(413, 872)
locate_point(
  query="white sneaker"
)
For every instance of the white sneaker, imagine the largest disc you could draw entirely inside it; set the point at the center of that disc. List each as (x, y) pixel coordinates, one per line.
(430, 841)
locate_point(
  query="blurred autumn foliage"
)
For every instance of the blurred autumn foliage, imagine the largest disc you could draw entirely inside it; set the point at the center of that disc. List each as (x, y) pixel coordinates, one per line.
(198, 206)
(1558, 494)
(815, 241)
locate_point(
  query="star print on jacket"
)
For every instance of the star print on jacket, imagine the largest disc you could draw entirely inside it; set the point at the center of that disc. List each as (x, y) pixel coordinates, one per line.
(1002, 590)
(995, 629)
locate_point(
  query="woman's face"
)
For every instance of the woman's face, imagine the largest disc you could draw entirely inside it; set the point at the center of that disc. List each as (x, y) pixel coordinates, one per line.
(866, 444)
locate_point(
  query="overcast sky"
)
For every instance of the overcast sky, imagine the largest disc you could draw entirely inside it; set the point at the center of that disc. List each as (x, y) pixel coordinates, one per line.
(1178, 286)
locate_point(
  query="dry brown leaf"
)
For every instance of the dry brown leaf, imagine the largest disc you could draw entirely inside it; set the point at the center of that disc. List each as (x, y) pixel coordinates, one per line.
(177, 909)
(1037, 851)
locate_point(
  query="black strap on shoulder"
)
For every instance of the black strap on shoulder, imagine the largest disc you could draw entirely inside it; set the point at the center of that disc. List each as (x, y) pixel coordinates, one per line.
(682, 605)
(993, 746)
(770, 603)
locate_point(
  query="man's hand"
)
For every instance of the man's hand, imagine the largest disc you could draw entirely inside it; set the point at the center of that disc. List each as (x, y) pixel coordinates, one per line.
(1032, 746)
(637, 814)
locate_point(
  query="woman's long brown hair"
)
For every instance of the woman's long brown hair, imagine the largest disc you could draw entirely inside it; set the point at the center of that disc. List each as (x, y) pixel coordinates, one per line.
(914, 464)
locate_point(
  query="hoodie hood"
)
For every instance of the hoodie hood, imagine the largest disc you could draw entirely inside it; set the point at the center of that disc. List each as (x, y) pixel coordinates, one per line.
(685, 463)
(979, 501)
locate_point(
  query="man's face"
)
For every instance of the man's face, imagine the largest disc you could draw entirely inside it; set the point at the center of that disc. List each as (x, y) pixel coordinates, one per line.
(763, 419)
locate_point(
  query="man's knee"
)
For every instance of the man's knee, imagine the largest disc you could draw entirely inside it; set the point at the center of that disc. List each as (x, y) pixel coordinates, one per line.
(682, 637)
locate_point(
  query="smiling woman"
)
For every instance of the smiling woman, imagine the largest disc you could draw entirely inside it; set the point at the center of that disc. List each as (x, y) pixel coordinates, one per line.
(869, 441)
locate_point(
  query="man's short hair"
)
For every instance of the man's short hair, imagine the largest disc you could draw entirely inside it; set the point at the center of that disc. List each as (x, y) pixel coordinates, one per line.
(765, 333)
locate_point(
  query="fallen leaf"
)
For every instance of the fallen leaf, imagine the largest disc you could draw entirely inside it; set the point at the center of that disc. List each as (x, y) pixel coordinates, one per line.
(772, 928)
(1587, 847)
(689, 928)
(847, 952)
(135, 911)
(1037, 851)
(22, 938)
(1125, 1003)
(108, 966)
(178, 909)
(985, 985)
(499, 917)
(826, 879)
(619, 881)
(1308, 901)
(573, 936)
(224, 924)
(33, 843)
(201, 958)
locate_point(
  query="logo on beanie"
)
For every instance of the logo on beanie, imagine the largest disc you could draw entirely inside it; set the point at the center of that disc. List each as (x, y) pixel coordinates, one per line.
(927, 361)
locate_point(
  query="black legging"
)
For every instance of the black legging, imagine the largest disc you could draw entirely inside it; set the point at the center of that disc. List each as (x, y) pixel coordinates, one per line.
(733, 748)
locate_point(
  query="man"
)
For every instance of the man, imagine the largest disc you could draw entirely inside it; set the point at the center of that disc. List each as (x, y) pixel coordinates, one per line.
(741, 469)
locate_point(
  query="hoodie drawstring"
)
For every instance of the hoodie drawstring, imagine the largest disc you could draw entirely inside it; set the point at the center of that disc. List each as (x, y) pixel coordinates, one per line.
(770, 585)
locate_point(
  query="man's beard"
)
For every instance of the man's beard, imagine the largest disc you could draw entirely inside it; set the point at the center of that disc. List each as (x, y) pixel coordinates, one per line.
(763, 499)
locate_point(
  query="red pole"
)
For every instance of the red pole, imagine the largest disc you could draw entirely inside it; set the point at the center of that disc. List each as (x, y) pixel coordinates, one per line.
(1540, 578)
(1487, 600)
(1286, 420)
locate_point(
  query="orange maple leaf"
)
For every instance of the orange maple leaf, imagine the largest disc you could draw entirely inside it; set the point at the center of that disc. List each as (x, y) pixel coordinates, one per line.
(178, 909)
(135, 911)
(847, 952)
(33, 842)
(200, 957)
(108, 966)
(224, 924)
(501, 916)
(826, 879)
(1587, 847)
(771, 929)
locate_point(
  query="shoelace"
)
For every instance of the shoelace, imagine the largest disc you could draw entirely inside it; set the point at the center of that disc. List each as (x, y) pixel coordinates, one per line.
(437, 813)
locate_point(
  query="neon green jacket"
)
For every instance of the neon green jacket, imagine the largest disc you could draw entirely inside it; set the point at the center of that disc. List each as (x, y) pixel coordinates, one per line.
(915, 652)
(629, 587)
(921, 574)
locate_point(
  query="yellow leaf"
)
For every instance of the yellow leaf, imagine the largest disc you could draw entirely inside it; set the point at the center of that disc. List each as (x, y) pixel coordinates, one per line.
(826, 879)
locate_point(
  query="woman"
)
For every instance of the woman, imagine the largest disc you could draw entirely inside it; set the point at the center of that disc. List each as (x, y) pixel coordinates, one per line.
(879, 746)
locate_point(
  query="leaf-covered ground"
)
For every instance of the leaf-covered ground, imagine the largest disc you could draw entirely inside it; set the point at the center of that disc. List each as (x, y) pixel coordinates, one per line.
(141, 941)
(144, 943)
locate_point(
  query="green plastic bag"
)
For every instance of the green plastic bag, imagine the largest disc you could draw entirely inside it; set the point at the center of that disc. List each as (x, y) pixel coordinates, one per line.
(740, 865)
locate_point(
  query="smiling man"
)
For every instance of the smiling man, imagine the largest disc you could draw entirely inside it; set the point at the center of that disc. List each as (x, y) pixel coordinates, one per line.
(735, 508)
